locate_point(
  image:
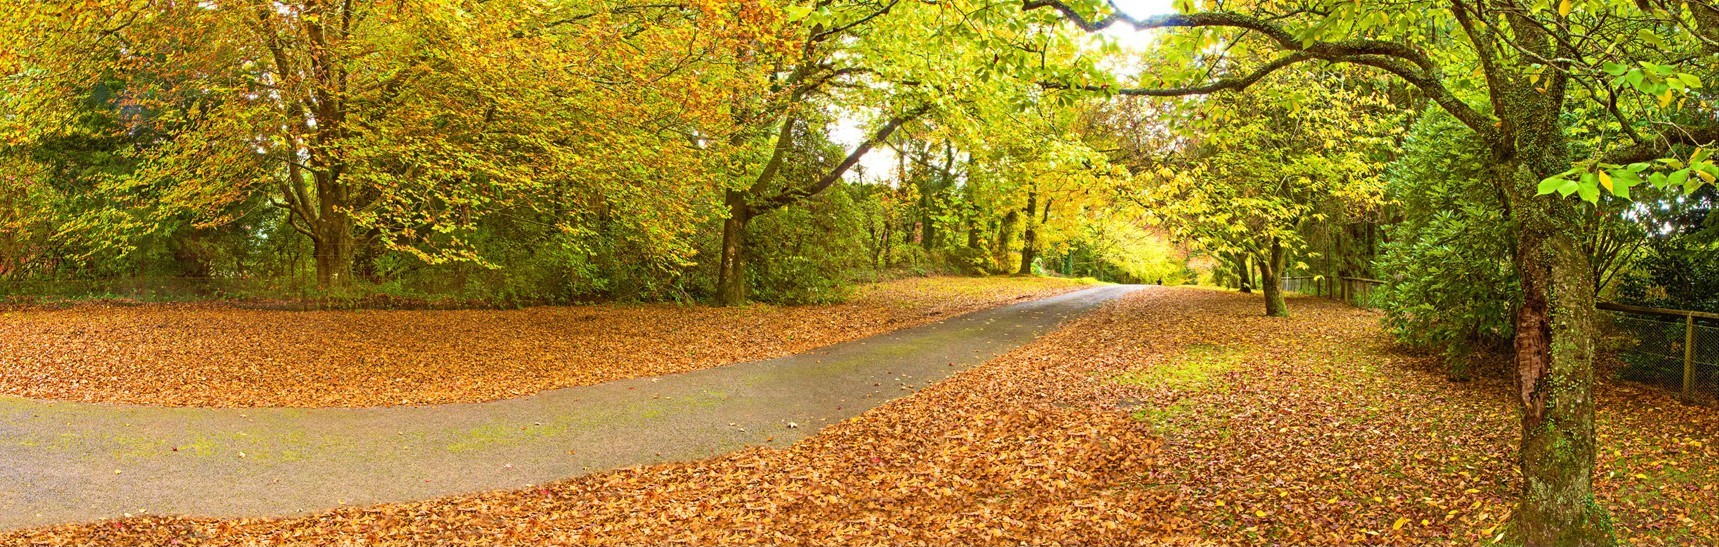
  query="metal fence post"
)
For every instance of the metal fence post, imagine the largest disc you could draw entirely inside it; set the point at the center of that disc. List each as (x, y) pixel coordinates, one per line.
(1689, 355)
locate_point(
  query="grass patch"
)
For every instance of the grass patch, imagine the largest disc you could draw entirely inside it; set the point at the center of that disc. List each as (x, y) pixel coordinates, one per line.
(1198, 367)
(1194, 369)
(1161, 418)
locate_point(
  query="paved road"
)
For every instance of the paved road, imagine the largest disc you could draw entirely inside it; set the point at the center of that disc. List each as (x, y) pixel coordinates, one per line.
(66, 462)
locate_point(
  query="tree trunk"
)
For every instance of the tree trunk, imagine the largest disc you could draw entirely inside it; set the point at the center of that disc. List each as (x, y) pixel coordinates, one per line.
(731, 274)
(1244, 274)
(1005, 240)
(334, 248)
(1029, 238)
(1554, 325)
(1555, 374)
(1221, 271)
(1271, 280)
(1029, 252)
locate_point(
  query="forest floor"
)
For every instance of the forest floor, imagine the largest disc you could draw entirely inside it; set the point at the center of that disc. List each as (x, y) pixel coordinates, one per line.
(218, 355)
(1170, 416)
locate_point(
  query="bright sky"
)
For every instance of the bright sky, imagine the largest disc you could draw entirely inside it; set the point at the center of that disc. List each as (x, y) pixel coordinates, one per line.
(1125, 34)
(880, 162)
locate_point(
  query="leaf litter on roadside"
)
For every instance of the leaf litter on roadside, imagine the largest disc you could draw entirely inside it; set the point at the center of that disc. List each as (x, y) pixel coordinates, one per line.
(217, 355)
(1312, 432)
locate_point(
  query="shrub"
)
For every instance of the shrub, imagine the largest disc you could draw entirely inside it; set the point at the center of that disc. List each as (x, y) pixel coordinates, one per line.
(1451, 286)
(808, 253)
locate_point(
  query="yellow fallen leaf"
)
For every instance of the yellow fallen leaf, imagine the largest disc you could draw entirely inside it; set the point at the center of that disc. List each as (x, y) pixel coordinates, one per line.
(1260, 514)
(1399, 524)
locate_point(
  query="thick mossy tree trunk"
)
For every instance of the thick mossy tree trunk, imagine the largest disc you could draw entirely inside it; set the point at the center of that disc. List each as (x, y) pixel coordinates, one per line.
(1555, 371)
(731, 271)
(1554, 327)
(333, 249)
(331, 236)
(1271, 280)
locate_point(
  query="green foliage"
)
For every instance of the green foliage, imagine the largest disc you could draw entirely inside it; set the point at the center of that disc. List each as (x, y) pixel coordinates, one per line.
(1450, 286)
(485, 135)
(1248, 172)
(809, 253)
(1680, 270)
(1123, 252)
(969, 260)
(1664, 85)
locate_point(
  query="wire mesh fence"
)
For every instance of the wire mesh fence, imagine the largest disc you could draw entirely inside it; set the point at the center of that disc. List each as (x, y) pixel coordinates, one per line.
(1674, 349)
(1304, 285)
(1357, 291)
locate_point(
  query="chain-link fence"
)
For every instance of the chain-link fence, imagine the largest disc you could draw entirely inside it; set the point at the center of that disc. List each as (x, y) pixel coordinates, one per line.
(1674, 349)
(1357, 291)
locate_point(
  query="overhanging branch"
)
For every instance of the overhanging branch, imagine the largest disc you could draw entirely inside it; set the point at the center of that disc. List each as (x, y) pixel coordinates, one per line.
(1407, 62)
(1222, 84)
(794, 194)
(1657, 147)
